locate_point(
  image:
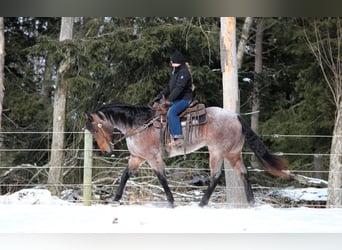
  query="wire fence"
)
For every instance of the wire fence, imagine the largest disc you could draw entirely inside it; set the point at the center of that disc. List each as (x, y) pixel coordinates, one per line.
(187, 179)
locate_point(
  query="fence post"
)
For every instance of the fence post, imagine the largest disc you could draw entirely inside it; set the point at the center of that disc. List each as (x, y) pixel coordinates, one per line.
(87, 167)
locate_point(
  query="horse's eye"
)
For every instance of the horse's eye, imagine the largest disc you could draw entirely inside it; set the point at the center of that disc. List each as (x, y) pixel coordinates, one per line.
(96, 131)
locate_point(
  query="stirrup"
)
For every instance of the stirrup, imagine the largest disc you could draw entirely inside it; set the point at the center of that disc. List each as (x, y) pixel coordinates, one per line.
(177, 143)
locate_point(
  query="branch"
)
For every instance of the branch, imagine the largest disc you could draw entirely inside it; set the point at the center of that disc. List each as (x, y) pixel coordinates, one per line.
(323, 60)
(311, 182)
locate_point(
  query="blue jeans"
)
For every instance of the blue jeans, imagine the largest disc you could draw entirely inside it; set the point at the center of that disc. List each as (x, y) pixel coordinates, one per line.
(176, 108)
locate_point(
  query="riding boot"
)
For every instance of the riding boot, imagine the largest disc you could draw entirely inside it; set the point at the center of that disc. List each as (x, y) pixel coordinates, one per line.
(176, 142)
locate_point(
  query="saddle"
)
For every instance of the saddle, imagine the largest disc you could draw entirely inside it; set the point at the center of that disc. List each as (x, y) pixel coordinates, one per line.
(196, 111)
(191, 118)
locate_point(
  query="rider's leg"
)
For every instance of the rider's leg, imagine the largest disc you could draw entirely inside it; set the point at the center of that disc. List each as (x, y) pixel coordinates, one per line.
(176, 108)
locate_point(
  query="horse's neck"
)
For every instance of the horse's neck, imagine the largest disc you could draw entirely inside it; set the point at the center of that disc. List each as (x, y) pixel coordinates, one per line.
(122, 123)
(118, 126)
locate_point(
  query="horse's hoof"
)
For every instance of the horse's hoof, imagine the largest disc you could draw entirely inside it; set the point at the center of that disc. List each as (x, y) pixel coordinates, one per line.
(171, 205)
(115, 203)
(203, 204)
(112, 202)
(252, 204)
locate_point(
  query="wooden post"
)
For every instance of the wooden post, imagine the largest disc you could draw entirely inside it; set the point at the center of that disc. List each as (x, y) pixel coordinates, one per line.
(87, 167)
(236, 196)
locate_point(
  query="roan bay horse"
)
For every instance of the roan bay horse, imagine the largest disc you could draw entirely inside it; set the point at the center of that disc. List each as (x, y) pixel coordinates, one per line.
(224, 134)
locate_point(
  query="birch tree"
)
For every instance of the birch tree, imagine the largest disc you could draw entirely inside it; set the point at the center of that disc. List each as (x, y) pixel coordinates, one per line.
(60, 97)
(243, 40)
(326, 47)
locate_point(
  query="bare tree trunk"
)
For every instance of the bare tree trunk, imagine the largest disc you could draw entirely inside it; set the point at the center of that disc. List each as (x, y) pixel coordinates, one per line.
(57, 147)
(335, 168)
(236, 196)
(256, 83)
(318, 166)
(47, 89)
(328, 54)
(257, 70)
(2, 77)
(48, 82)
(243, 39)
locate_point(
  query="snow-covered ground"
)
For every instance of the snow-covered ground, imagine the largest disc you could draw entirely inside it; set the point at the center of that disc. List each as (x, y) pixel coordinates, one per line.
(36, 211)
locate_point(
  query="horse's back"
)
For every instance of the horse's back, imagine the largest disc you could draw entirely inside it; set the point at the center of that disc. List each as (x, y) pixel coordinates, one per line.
(219, 114)
(223, 128)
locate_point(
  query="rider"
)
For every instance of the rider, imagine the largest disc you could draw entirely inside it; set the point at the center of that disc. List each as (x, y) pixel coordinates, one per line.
(179, 94)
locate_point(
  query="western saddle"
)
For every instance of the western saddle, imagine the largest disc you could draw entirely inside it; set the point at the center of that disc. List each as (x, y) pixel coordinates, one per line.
(191, 118)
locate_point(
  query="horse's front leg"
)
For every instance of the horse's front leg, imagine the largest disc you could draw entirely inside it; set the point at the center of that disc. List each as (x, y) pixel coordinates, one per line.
(158, 166)
(127, 173)
(163, 181)
(133, 163)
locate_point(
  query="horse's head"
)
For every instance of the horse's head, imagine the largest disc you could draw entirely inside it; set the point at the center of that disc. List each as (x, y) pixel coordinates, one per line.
(101, 129)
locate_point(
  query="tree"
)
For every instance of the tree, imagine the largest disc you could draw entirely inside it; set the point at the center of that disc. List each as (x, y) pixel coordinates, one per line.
(327, 49)
(126, 60)
(257, 70)
(236, 195)
(243, 39)
(2, 64)
(256, 82)
(294, 99)
(57, 147)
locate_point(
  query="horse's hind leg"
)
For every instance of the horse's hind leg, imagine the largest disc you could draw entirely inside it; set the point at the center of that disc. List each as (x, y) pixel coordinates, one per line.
(248, 189)
(215, 174)
(212, 185)
(237, 164)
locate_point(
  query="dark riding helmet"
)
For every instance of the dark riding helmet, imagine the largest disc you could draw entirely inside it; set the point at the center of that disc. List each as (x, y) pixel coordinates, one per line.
(177, 57)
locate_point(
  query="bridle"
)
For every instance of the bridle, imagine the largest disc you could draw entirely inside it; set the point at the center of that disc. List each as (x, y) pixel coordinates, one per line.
(129, 133)
(100, 126)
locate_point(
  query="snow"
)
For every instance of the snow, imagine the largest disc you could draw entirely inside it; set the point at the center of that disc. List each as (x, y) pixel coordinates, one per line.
(36, 211)
(305, 194)
(247, 79)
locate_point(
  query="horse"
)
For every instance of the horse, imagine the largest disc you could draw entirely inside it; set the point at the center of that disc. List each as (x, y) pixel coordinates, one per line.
(224, 134)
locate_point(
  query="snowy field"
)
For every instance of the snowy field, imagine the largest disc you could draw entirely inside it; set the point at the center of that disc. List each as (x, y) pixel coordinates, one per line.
(36, 211)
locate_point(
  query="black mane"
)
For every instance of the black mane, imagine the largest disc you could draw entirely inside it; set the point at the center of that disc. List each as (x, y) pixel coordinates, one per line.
(126, 114)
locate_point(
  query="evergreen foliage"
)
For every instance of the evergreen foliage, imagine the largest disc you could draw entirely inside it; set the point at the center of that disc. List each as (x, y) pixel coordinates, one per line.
(127, 60)
(294, 98)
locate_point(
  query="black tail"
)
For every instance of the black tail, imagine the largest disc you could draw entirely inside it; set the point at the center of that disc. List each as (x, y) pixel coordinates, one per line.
(273, 164)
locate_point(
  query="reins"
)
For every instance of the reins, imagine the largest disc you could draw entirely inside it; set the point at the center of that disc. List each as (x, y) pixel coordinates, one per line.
(131, 132)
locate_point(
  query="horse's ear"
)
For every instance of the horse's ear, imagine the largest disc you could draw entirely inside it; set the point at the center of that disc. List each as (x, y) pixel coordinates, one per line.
(102, 115)
(88, 116)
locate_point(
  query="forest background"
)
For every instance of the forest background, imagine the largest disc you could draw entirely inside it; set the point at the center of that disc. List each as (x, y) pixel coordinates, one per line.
(127, 60)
